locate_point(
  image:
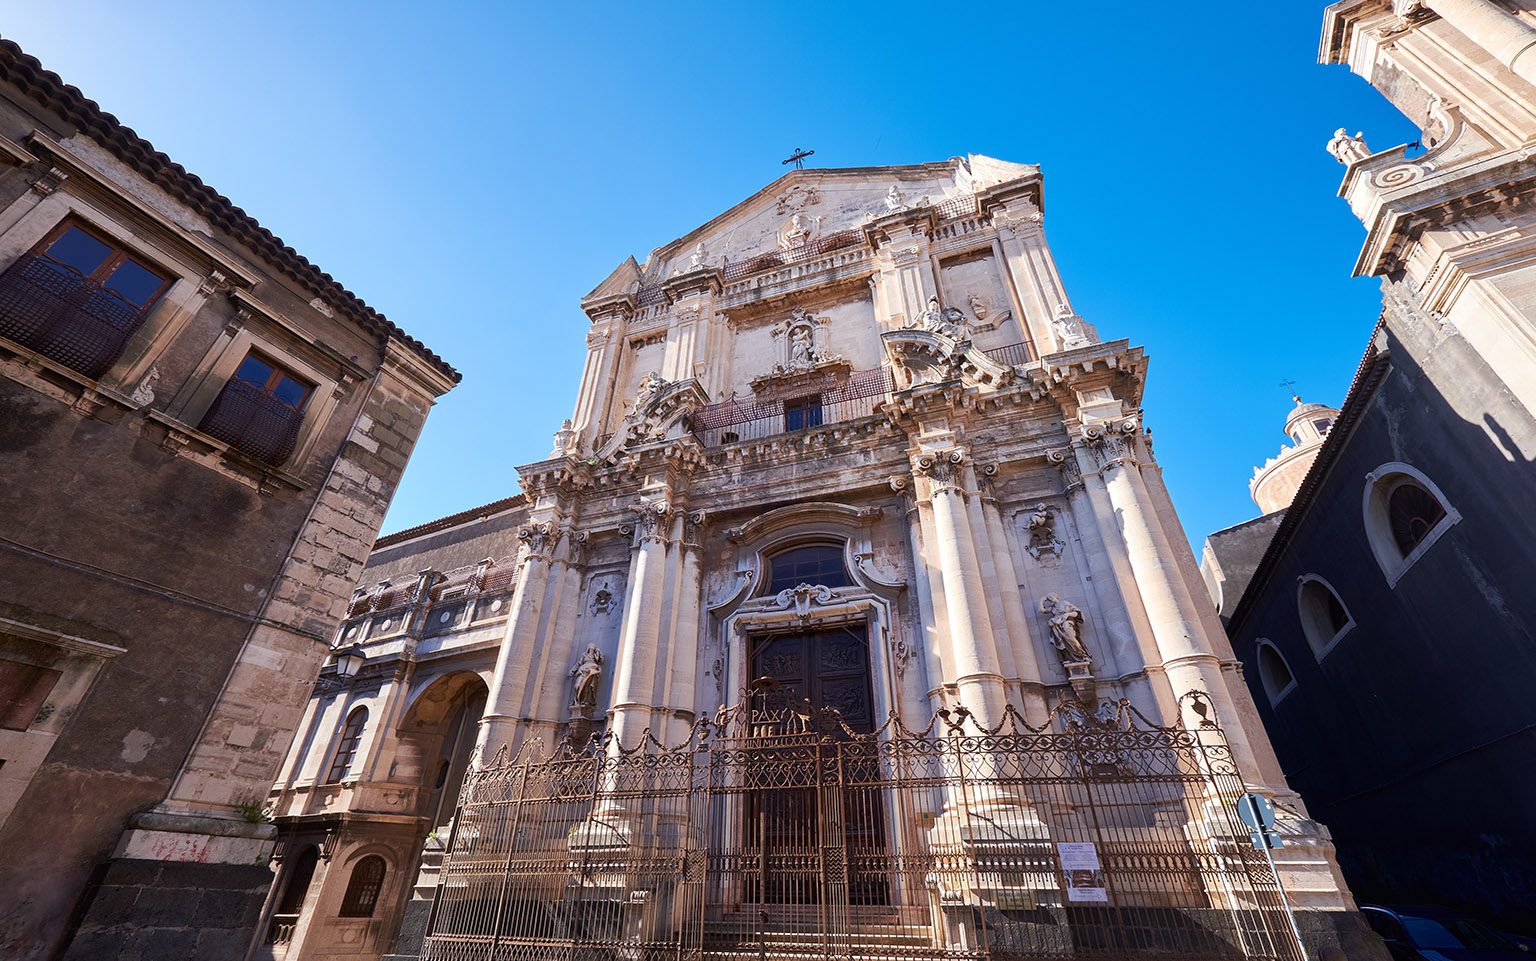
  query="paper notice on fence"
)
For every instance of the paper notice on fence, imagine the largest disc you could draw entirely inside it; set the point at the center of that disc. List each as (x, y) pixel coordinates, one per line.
(1085, 876)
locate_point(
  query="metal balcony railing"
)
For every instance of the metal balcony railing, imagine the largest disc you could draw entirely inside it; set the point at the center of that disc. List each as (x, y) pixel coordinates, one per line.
(49, 307)
(737, 420)
(248, 419)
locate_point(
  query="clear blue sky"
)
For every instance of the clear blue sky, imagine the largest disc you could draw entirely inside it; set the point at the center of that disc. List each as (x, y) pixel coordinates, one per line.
(472, 170)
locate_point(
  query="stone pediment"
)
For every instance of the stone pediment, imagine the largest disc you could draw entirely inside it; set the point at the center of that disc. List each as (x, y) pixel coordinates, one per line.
(658, 415)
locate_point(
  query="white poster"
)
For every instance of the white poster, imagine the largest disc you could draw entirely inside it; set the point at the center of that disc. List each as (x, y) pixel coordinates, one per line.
(1085, 876)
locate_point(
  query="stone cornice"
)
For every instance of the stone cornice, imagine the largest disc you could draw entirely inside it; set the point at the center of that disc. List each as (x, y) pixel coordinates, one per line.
(704, 280)
(917, 220)
(620, 305)
(1024, 190)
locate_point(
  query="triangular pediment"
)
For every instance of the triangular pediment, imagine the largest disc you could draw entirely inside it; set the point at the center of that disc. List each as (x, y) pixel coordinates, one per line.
(805, 206)
(625, 279)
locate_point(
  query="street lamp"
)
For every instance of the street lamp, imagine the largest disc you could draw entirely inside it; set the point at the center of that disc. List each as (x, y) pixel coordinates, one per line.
(349, 660)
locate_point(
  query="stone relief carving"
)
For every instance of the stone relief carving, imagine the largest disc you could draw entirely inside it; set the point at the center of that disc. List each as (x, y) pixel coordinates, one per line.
(798, 197)
(799, 229)
(602, 601)
(1042, 532)
(1068, 328)
(801, 344)
(1066, 624)
(651, 520)
(1347, 149)
(651, 386)
(587, 672)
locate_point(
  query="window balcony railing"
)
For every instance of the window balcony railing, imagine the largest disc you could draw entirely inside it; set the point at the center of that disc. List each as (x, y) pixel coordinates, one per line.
(50, 308)
(734, 420)
(251, 420)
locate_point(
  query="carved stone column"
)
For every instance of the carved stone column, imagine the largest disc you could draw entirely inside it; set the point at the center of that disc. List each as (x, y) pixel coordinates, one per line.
(551, 692)
(1186, 653)
(1031, 266)
(930, 598)
(634, 683)
(1506, 37)
(603, 339)
(1020, 642)
(498, 726)
(906, 274)
(977, 673)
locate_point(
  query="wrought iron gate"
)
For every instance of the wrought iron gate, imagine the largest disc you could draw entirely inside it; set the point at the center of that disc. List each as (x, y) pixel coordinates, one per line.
(781, 833)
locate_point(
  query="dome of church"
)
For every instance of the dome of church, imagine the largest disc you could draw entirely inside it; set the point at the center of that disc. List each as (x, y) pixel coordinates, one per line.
(1274, 484)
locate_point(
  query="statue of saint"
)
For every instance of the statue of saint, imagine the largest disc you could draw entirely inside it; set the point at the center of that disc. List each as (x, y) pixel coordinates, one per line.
(699, 257)
(1347, 149)
(799, 230)
(895, 200)
(801, 353)
(650, 385)
(1066, 623)
(587, 672)
(979, 308)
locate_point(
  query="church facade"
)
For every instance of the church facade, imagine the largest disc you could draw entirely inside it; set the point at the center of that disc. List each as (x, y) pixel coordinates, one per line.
(846, 473)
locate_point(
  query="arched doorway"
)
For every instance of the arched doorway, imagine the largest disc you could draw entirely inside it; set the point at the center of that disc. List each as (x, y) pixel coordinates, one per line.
(439, 730)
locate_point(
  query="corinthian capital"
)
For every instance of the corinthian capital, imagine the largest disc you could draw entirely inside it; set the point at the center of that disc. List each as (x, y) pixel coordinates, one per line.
(1113, 442)
(942, 468)
(539, 538)
(651, 519)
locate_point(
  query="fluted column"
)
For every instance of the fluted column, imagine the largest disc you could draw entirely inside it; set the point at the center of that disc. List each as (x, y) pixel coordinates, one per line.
(1020, 640)
(498, 726)
(634, 679)
(972, 643)
(1187, 654)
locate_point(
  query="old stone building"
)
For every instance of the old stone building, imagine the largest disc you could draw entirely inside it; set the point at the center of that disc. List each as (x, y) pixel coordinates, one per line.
(199, 435)
(842, 460)
(1394, 600)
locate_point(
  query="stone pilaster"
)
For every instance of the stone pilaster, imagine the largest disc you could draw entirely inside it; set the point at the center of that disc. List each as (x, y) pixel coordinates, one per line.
(906, 265)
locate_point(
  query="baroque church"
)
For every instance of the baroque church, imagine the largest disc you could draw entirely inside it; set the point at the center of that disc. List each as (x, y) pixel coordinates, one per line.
(848, 615)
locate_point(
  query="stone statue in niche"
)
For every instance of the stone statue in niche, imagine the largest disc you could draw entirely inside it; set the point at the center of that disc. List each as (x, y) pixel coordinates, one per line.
(587, 672)
(798, 230)
(1347, 149)
(801, 351)
(1068, 328)
(1066, 623)
(979, 307)
(1042, 532)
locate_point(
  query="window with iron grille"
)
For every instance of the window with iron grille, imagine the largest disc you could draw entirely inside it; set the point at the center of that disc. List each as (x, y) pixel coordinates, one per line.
(802, 413)
(346, 748)
(363, 889)
(260, 410)
(77, 297)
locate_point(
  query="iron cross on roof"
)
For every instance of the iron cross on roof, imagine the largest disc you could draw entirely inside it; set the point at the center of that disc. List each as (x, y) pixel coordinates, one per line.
(798, 158)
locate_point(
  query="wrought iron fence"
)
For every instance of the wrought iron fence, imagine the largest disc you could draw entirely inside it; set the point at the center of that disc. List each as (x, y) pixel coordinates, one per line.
(247, 418)
(837, 402)
(793, 255)
(1011, 355)
(782, 833)
(51, 308)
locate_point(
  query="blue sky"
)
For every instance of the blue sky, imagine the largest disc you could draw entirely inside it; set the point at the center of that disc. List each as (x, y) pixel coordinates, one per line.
(472, 170)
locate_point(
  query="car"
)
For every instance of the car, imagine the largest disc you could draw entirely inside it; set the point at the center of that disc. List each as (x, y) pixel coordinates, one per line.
(1417, 933)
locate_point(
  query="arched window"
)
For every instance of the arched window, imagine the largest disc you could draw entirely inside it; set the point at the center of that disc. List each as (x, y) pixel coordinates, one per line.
(810, 564)
(1405, 513)
(363, 889)
(1324, 618)
(346, 747)
(1274, 673)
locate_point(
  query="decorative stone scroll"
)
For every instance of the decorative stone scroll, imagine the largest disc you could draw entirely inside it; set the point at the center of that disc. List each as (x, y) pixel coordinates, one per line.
(539, 538)
(802, 596)
(651, 521)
